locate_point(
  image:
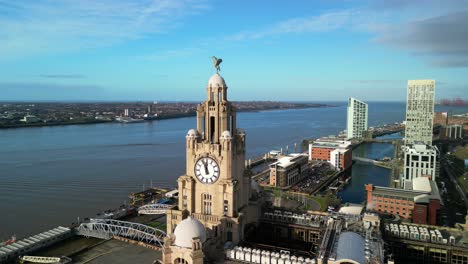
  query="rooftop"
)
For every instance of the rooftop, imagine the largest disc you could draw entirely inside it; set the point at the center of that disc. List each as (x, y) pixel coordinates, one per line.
(32, 242)
(420, 189)
(330, 143)
(352, 209)
(288, 160)
(426, 233)
(419, 148)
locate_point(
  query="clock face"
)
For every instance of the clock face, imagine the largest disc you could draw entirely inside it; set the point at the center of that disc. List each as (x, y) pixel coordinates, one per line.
(207, 170)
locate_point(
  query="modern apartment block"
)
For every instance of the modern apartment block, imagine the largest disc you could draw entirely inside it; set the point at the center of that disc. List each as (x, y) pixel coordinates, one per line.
(288, 170)
(357, 118)
(337, 152)
(419, 111)
(419, 160)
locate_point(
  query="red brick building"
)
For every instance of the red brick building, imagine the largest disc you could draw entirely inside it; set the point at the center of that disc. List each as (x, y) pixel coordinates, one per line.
(333, 150)
(419, 203)
(341, 159)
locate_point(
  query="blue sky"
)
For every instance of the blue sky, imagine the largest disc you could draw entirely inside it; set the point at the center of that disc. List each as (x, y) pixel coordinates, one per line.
(271, 50)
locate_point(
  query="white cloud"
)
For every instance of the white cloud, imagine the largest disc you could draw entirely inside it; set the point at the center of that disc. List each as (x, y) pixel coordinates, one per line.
(45, 26)
(438, 32)
(441, 40)
(321, 23)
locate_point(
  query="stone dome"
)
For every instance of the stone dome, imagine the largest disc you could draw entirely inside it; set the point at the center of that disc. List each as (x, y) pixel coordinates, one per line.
(188, 229)
(192, 133)
(216, 81)
(226, 135)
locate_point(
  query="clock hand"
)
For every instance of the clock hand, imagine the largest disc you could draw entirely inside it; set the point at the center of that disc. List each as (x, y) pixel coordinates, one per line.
(205, 164)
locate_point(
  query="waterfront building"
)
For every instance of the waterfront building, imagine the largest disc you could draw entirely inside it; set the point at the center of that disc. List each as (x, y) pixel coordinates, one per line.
(451, 132)
(419, 160)
(333, 150)
(416, 243)
(341, 159)
(289, 170)
(30, 119)
(9, 253)
(356, 121)
(219, 205)
(214, 189)
(419, 111)
(419, 202)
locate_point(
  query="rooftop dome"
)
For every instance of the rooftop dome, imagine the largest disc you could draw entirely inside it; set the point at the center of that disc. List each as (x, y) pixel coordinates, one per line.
(216, 81)
(192, 133)
(350, 248)
(226, 135)
(188, 229)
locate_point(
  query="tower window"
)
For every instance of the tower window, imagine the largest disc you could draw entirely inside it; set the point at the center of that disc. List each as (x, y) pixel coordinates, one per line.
(212, 129)
(207, 202)
(226, 207)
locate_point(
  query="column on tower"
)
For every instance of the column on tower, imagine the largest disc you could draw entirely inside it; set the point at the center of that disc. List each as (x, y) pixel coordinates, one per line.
(218, 113)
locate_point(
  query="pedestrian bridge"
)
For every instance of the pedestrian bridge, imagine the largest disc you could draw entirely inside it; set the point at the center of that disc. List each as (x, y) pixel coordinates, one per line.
(154, 209)
(108, 228)
(366, 160)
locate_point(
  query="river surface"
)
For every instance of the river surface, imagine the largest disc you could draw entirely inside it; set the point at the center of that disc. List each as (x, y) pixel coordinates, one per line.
(364, 173)
(49, 176)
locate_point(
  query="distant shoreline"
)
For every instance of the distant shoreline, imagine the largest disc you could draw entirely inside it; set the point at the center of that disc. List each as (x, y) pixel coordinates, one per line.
(164, 117)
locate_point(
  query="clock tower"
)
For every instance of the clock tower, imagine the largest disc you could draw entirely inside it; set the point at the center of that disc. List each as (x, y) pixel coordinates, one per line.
(214, 189)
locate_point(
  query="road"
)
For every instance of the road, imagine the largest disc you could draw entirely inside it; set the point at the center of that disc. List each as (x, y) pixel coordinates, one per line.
(448, 168)
(311, 204)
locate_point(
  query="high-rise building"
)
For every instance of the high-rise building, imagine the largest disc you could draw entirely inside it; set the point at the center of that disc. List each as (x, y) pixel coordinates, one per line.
(357, 118)
(419, 111)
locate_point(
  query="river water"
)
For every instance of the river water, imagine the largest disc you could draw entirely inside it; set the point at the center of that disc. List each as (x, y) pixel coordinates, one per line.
(52, 175)
(364, 173)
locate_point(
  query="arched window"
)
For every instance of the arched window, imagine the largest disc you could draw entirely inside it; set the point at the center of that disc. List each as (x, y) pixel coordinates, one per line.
(180, 261)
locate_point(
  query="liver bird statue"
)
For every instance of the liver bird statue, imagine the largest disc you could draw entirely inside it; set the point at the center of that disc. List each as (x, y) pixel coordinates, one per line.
(216, 63)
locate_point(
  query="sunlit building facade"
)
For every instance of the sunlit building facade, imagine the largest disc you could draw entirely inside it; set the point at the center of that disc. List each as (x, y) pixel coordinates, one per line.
(419, 111)
(357, 118)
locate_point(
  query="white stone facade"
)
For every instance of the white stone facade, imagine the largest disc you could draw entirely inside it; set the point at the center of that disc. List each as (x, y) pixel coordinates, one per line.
(356, 122)
(419, 160)
(419, 111)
